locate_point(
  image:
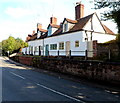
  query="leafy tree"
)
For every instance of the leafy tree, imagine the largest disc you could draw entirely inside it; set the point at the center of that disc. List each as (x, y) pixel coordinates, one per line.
(113, 13)
(12, 44)
(118, 42)
(0, 48)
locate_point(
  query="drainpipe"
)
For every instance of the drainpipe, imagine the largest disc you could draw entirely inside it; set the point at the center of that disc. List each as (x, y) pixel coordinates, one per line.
(43, 46)
(86, 51)
(86, 39)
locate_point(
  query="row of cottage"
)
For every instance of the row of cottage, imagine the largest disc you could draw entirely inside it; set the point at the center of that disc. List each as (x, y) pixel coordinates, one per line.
(76, 36)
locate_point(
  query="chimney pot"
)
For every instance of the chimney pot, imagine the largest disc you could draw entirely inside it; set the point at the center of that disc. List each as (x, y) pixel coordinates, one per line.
(39, 25)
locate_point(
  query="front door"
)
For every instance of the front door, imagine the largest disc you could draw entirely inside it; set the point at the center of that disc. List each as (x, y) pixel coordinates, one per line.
(47, 50)
(39, 50)
(67, 48)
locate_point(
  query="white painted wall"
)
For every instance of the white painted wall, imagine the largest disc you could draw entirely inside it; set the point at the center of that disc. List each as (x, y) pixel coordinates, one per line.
(72, 37)
(97, 27)
(35, 43)
(101, 38)
(70, 26)
(53, 30)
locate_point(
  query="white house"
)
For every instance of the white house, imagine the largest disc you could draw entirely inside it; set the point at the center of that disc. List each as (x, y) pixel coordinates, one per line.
(71, 37)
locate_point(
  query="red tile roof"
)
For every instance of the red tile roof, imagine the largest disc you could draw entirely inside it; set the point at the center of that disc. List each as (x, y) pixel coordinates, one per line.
(33, 37)
(107, 30)
(79, 25)
(43, 30)
(54, 25)
(71, 21)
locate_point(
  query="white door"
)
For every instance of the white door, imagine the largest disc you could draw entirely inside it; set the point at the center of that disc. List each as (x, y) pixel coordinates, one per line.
(67, 48)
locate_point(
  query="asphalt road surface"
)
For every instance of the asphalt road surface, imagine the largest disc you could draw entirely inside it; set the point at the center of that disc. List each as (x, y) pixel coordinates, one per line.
(21, 84)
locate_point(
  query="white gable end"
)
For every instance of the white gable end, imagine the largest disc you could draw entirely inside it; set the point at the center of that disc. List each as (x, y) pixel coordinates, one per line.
(94, 24)
(53, 30)
(88, 26)
(97, 26)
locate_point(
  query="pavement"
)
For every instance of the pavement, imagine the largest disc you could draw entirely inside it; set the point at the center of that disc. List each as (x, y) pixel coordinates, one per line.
(23, 83)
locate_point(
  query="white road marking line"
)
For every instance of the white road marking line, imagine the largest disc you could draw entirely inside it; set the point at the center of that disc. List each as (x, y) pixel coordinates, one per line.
(60, 93)
(17, 75)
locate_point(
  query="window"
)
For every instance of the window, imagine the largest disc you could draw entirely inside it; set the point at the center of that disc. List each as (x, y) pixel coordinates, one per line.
(53, 46)
(36, 49)
(61, 45)
(41, 47)
(76, 43)
(49, 31)
(65, 27)
(38, 34)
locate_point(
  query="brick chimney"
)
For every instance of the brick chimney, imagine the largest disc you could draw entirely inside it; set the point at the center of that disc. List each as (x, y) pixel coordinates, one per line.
(53, 20)
(33, 32)
(79, 11)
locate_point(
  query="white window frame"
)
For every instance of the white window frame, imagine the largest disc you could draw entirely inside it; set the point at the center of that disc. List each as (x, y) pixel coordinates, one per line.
(61, 45)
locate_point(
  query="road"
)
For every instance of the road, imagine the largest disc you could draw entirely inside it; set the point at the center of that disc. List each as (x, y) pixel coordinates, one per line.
(21, 84)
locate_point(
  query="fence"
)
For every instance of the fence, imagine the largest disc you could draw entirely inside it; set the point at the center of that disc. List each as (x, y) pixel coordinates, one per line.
(103, 54)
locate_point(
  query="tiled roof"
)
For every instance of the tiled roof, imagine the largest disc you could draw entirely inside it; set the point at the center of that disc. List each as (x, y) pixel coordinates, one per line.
(81, 23)
(107, 30)
(29, 35)
(43, 36)
(43, 30)
(78, 24)
(55, 26)
(71, 21)
(33, 37)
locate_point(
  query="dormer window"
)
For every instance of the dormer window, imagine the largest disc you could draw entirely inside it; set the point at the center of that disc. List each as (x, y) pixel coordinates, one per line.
(65, 27)
(49, 31)
(68, 24)
(52, 28)
(38, 34)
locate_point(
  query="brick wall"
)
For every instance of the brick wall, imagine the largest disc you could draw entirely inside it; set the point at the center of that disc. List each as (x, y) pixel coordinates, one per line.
(104, 48)
(104, 71)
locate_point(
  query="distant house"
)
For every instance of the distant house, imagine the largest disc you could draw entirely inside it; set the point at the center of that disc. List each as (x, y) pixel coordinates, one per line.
(71, 37)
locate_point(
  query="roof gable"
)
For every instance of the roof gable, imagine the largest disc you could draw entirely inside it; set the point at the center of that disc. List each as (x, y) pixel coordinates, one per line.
(94, 24)
(69, 21)
(90, 23)
(81, 23)
(107, 30)
(53, 26)
(42, 30)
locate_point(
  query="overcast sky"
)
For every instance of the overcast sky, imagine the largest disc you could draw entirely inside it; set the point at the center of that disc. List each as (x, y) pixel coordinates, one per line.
(19, 18)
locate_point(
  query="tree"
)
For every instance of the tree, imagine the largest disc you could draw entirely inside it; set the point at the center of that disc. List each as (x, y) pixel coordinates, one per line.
(12, 44)
(118, 43)
(113, 13)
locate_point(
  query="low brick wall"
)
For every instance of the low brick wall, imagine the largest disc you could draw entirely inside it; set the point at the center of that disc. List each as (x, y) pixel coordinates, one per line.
(104, 71)
(25, 60)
